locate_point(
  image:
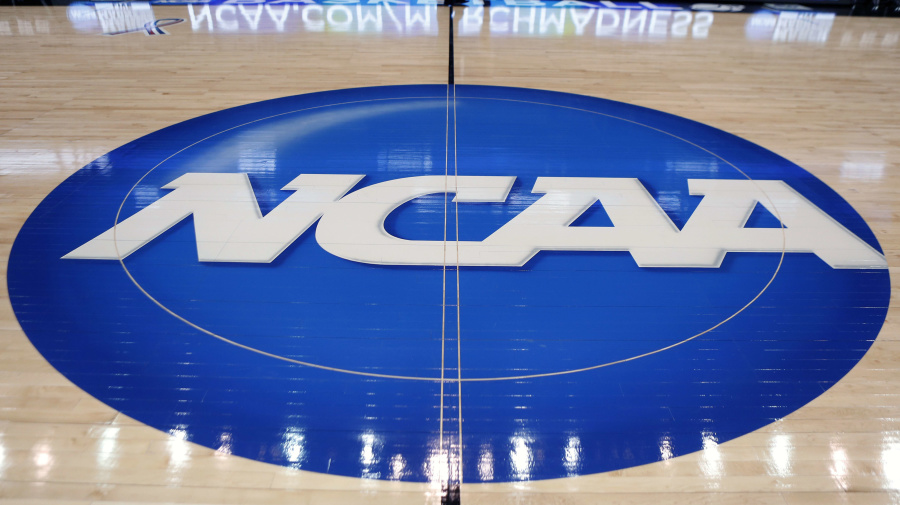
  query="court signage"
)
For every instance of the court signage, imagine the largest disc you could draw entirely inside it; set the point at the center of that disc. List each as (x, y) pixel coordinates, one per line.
(375, 282)
(230, 228)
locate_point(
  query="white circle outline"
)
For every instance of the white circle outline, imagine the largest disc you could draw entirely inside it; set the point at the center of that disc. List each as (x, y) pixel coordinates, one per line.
(439, 379)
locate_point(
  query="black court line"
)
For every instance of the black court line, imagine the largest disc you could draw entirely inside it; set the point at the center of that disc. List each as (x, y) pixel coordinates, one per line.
(451, 488)
(450, 79)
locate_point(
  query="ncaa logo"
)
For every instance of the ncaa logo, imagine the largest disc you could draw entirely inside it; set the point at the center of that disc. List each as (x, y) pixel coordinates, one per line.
(359, 281)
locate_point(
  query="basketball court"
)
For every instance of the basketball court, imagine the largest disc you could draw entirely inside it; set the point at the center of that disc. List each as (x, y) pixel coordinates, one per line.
(393, 252)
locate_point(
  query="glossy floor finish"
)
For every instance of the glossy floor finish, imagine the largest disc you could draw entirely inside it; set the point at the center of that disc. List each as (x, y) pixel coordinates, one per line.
(818, 91)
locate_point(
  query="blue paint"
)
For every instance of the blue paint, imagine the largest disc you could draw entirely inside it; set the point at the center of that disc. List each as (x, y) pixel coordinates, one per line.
(762, 218)
(561, 311)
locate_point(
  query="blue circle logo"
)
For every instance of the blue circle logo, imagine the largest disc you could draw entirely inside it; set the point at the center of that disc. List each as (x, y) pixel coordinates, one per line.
(531, 284)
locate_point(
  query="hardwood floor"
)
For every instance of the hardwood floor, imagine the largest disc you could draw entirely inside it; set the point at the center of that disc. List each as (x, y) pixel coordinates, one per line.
(821, 92)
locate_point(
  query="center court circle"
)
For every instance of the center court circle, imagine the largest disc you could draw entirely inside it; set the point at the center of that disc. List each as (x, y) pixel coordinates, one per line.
(667, 359)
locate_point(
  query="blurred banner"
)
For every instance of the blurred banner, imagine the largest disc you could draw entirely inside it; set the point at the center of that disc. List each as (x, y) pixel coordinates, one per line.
(513, 18)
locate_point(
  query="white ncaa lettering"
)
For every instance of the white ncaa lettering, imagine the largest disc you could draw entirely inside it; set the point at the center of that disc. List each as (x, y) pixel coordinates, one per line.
(353, 228)
(227, 221)
(230, 227)
(719, 224)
